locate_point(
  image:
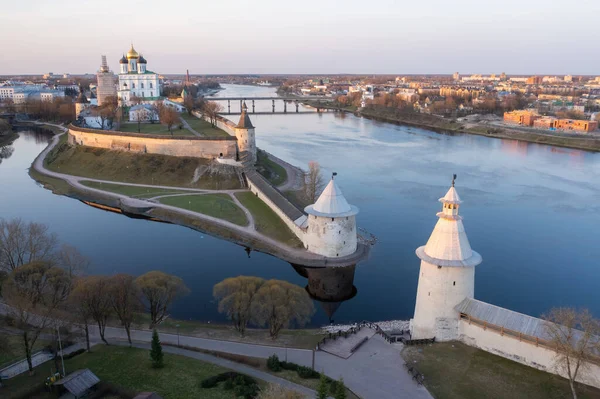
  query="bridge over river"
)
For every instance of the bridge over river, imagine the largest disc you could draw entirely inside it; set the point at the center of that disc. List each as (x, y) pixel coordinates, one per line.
(285, 99)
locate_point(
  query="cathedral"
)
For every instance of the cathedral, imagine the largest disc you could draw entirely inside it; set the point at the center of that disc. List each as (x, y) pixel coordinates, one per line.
(136, 80)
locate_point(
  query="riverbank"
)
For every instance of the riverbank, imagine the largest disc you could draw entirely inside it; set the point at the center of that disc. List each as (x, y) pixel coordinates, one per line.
(444, 126)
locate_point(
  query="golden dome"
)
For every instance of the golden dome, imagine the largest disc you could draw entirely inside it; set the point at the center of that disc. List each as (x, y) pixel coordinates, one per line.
(132, 53)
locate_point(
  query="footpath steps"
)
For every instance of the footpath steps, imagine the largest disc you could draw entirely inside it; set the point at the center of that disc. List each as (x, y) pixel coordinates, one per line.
(345, 347)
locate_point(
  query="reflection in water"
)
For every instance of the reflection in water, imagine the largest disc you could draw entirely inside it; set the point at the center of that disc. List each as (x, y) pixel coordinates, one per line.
(6, 152)
(37, 134)
(330, 286)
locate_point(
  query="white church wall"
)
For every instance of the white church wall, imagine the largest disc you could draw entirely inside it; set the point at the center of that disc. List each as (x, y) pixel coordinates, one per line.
(439, 290)
(523, 352)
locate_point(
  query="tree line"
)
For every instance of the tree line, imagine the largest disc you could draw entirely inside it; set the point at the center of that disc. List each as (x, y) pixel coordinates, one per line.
(44, 285)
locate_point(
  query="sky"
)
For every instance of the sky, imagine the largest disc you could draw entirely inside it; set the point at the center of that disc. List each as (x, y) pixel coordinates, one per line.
(304, 36)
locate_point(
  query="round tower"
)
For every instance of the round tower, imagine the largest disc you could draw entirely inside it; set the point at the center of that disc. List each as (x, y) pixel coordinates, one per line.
(80, 103)
(447, 274)
(331, 224)
(244, 132)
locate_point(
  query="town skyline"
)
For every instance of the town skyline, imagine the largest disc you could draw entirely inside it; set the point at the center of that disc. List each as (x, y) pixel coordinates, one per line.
(312, 38)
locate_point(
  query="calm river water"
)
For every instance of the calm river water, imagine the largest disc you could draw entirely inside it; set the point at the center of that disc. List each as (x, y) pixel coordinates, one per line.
(531, 211)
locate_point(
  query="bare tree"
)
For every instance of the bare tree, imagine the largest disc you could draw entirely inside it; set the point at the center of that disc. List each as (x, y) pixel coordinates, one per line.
(279, 304)
(94, 295)
(125, 302)
(158, 291)
(188, 103)
(235, 297)
(34, 292)
(22, 243)
(72, 261)
(576, 337)
(212, 109)
(80, 313)
(313, 182)
(169, 117)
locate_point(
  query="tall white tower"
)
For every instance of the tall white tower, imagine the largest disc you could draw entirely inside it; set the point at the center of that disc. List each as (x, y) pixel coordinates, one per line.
(447, 274)
(331, 224)
(244, 132)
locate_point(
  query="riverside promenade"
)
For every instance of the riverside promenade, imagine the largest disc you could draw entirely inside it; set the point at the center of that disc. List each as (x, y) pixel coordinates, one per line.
(375, 370)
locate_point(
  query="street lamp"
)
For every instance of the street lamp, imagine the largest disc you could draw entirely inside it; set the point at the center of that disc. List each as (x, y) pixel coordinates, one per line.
(177, 325)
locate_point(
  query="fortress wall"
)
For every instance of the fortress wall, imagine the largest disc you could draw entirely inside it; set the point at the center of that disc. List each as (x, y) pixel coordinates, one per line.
(222, 123)
(198, 147)
(289, 222)
(521, 351)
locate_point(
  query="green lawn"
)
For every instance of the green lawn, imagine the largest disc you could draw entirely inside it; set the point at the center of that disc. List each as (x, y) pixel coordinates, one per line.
(271, 170)
(130, 368)
(154, 128)
(15, 349)
(132, 191)
(267, 222)
(217, 205)
(454, 370)
(203, 127)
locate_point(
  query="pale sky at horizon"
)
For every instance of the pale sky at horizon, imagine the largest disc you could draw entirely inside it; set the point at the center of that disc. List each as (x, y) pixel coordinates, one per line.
(305, 37)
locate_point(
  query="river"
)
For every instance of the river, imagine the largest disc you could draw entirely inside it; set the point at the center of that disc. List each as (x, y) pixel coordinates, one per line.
(532, 212)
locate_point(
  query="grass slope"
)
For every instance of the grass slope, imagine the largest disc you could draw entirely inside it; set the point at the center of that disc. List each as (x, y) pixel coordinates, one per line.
(130, 368)
(271, 170)
(154, 128)
(152, 169)
(220, 206)
(267, 222)
(454, 370)
(203, 127)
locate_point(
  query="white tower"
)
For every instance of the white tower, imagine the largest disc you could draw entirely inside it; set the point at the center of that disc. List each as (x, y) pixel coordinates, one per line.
(331, 224)
(244, 132)
(80, 103)
(447, 274)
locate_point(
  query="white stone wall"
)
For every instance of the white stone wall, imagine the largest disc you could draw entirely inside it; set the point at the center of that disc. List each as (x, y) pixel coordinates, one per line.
(331, 237)
(520, 351)
(222, 123)
(164, 145)
(439, 290)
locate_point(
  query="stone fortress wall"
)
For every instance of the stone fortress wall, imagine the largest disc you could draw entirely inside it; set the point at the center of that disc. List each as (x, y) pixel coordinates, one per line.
(178, 146)
(222, 123)
(522, 351)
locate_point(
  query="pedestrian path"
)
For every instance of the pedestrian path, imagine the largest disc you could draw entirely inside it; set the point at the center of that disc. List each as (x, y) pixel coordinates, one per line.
(36, 359)
(344, 347)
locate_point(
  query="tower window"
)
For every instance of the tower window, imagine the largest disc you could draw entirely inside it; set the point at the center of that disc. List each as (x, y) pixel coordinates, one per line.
(142, 85)
(151, 93)
(133, 85)
(454, 283)
(151, 85)
(143, 93)
(332, 219)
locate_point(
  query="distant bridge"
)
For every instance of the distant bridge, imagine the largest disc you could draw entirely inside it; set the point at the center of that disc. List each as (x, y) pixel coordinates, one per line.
(285, 100)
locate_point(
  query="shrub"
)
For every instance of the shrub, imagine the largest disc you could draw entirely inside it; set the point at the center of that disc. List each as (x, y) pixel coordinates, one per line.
(289, 366)
(273, 363)
(307, 372)
(246, 391)
(235, 378)
(73, 354)
(228, 384)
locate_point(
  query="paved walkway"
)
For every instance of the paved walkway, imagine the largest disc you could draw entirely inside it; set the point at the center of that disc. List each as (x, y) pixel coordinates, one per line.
(188, 127)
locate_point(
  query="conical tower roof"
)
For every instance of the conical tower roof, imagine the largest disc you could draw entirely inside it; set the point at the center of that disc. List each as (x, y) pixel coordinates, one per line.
(244, 122)
(331, 203)
(448, 244)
